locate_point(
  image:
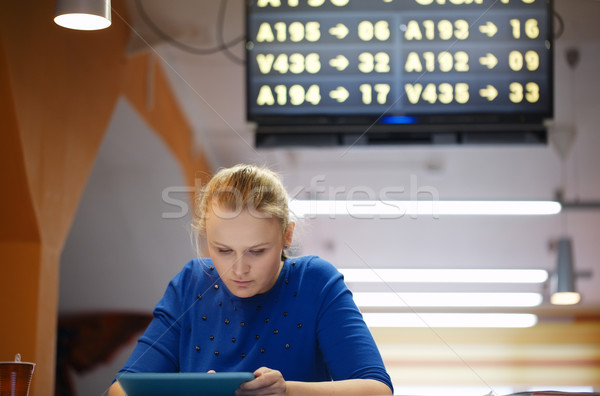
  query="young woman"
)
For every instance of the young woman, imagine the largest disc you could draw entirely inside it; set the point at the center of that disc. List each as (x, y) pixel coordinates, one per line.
(247, 307)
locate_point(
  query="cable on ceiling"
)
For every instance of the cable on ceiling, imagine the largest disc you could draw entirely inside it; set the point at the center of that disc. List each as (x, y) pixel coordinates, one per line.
(222, 45)
(561, 26)
(220, 40)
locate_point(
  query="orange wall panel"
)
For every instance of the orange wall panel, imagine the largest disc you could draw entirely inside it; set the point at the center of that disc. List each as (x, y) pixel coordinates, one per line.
(58, 90)
(19, 237)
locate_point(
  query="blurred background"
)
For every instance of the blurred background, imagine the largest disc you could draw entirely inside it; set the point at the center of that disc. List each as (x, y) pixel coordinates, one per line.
(105, 135)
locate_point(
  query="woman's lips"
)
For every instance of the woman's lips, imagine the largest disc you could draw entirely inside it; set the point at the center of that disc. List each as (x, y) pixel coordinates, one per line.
(242, 283)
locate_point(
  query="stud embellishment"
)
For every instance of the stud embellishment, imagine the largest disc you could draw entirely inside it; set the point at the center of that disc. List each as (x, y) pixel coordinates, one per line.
(299, 325)
(285, 314)
(203, 317)
(216, 353)
(226, 321)
(199, 296)
(212, 337)
(262, 350)
(216, 287)
(287, 346)
(266, 320)
(197, 348)
(243, 324)
(233, 339)
(211, 268)
(257, 336)
(275, 331)
(243, 355)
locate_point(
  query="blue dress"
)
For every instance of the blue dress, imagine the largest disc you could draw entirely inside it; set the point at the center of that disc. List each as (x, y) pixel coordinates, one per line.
(307, 327)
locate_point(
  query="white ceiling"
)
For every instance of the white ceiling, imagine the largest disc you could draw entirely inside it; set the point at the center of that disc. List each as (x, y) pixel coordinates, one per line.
(211, 91)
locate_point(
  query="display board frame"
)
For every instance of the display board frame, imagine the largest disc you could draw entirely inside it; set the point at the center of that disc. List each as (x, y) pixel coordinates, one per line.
(423, 79)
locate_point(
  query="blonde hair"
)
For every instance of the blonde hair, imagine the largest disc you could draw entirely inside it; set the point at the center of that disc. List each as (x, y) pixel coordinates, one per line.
(240, 187)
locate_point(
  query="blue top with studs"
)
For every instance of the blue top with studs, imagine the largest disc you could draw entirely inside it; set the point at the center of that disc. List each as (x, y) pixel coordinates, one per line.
(307, 327)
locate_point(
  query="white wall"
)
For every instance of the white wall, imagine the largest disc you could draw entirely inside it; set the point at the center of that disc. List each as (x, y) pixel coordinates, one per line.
(120, 253)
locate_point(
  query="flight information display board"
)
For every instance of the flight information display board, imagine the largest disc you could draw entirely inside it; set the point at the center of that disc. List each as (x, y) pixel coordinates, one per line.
(398, 61)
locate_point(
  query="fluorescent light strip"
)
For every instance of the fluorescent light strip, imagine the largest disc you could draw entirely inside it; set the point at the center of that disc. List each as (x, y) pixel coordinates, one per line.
(401, 275)
(398, 209)
(389, 299)
(457, 320)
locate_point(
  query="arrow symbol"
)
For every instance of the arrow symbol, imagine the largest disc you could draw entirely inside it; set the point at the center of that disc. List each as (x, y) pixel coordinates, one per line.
(340, 94)
(340, 31)
(340, 62)
(489, 28)
(489, 60)
(488, 92)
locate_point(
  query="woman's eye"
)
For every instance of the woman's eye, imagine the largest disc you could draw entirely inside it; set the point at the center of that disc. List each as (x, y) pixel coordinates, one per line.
(224, 251)
(257, 251)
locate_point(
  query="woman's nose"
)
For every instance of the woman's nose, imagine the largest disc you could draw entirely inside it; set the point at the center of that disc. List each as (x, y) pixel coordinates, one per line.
(240, 266)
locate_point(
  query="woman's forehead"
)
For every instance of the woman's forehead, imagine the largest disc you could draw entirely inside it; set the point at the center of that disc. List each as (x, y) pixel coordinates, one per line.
(232, 224)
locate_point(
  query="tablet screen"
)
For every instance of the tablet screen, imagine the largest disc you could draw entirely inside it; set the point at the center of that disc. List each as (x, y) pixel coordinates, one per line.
(182, 384)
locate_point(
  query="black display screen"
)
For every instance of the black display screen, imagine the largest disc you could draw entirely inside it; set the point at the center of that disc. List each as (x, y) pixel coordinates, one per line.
(399, 62)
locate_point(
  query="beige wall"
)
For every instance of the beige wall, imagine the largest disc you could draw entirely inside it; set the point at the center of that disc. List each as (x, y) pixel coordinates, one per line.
(559, 352)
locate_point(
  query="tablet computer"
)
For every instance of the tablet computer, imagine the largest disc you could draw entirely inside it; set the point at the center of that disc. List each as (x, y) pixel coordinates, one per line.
(182, 384)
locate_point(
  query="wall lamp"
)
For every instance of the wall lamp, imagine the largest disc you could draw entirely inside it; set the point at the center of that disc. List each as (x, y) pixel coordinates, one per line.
(83, 14)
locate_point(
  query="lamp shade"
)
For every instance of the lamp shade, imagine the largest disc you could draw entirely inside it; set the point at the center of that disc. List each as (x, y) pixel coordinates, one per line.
(563, 281)
(83, 14)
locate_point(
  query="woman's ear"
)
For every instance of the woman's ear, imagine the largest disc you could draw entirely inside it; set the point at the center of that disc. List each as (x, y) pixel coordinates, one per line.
(289, 233)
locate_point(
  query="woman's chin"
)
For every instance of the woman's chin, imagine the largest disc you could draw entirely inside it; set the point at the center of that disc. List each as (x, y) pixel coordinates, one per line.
(244, 291)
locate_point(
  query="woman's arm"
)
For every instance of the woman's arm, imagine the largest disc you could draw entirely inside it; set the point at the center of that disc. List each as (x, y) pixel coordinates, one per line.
(357, 387)
(271, 382)
(347, 345)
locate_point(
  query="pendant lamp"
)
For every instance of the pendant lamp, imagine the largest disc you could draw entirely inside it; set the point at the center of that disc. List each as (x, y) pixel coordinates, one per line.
(83, 14)
(563, 281)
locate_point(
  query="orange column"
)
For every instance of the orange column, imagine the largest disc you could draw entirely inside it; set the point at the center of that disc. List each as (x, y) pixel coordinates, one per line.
(20, 246)
(62, 89)
(58, 90)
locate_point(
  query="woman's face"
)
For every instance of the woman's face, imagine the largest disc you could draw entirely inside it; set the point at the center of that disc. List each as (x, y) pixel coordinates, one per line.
(245, 249)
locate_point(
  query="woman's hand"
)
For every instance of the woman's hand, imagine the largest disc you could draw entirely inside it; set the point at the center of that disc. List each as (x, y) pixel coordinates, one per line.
(266, 382)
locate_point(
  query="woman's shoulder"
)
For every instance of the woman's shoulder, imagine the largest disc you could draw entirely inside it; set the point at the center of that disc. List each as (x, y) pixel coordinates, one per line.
(315, 266)
(197, 269)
